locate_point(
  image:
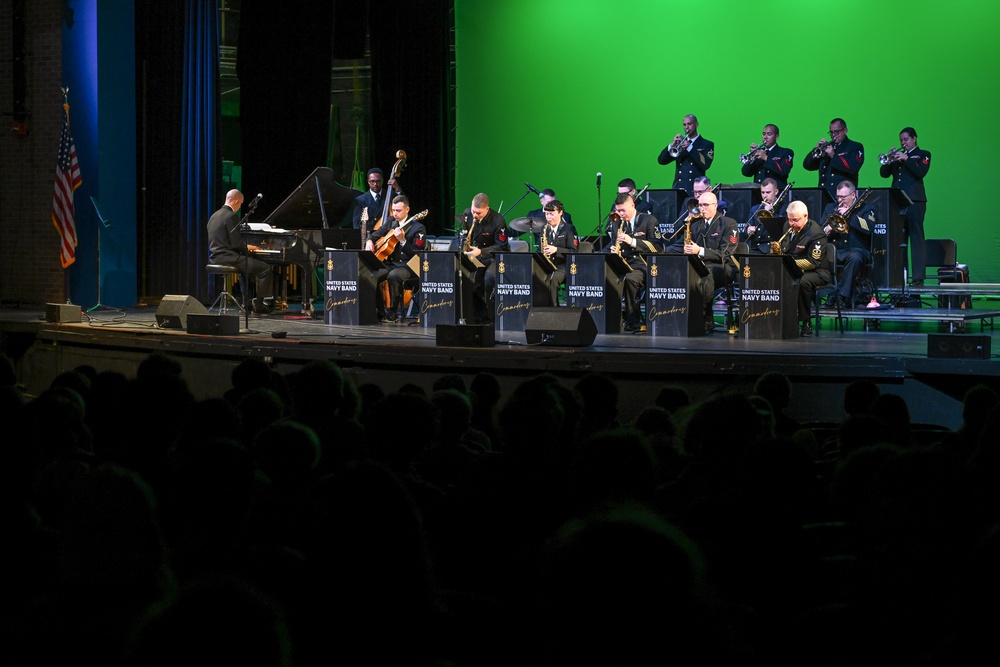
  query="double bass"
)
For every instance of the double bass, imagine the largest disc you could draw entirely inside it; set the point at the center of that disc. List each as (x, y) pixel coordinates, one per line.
(397, 171)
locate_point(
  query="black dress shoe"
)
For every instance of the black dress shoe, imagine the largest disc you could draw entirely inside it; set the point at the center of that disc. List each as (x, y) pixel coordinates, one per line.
(806, 330)
(632, 327)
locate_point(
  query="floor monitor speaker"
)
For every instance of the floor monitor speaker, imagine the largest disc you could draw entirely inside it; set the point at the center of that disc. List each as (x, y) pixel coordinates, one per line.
(958, 346)
(560, 326)
(174, 309)
(466, 335)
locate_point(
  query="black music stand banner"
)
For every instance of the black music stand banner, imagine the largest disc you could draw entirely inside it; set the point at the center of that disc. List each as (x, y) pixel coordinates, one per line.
(349, 278)
(521, 284)
(815, 200)
(675, 304)
(888, 252)
(666, 208)
(438, 288)
(592, 284)
(769, 292)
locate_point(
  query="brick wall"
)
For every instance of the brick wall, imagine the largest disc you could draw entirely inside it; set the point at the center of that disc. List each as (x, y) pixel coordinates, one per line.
(30, 272)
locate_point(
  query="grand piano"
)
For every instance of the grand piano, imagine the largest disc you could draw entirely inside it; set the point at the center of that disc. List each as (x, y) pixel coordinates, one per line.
(315, 216)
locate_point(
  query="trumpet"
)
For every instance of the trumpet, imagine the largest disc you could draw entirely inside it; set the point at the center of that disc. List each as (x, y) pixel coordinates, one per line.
(817, 152)
(748, 157)
(886, 157)
(764, 213)
(839, 222)
(675, 147)
(776, 245)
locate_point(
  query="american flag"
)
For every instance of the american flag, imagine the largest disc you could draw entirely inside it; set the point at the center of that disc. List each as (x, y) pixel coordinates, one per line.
(67, 180)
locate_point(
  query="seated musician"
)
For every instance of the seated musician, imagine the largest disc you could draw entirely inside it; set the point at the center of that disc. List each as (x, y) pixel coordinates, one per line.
(753, 233)
(544, 197)
(408, 237)
(635, 233)
(557, 239)
(226, 247)
(805, 241)
(627, 186)
(485, 235)
(713, 238)
(853, 238)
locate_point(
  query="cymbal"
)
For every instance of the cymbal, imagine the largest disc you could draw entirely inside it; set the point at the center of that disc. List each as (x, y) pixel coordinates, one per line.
(525, 225)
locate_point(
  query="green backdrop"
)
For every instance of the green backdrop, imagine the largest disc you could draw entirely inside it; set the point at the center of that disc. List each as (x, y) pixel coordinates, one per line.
(554, 91)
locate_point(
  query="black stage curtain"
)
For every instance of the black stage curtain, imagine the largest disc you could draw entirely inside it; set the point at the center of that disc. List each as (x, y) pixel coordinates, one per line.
(284, 60)
(412, 102)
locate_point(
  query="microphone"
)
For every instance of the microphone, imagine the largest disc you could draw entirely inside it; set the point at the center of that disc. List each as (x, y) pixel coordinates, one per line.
(255, 201)
(598, 179)
(533, 189)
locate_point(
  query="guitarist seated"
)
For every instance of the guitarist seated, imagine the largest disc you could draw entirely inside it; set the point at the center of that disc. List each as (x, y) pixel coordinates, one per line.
(396, 244)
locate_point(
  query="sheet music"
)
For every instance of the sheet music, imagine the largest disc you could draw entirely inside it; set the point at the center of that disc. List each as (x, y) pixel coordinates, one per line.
(264, 227)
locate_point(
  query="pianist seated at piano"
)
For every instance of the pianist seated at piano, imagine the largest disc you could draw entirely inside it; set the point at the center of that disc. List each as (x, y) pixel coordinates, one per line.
(226, 246)
(396, 243)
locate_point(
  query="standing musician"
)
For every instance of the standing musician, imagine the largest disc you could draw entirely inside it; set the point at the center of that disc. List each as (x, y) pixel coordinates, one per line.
(692, 153)
(485, 235)
(836, 160)
(908, 165)
(556, 240)
(226, 247)
(753, 232)
(768, 160)
(853, 241)
(373, 199)
(805, 241)
(409, 241)
(636, 233)
(713, 239)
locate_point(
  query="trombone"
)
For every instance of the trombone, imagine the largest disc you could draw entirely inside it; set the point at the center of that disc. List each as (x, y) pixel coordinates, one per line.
(764, 213)
(839, 222)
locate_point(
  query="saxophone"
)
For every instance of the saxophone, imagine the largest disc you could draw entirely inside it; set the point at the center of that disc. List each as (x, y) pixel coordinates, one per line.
(776, 245)
(618, 243)
(468, 238)
(543, 243)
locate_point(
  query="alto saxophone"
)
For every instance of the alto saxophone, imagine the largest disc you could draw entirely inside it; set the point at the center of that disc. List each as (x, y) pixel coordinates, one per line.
(776, 245)
(618, 242)
(543, 243)
(468, 238)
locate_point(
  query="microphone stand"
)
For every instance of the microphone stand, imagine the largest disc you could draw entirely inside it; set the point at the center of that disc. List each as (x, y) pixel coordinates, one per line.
(504, 213)
(243, 226)
(105, 224)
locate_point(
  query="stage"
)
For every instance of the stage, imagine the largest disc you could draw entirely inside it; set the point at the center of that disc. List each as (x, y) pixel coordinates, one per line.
(390, 355)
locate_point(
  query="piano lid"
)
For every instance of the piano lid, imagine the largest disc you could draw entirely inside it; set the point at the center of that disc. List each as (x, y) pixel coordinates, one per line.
(317, 199)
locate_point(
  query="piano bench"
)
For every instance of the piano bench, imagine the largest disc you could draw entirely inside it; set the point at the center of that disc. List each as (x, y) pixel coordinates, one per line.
(225, 297)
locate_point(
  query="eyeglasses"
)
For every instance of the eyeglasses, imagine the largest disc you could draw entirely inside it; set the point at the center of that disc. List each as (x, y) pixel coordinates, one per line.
(840, 131)
(796, 220)
(843, 197)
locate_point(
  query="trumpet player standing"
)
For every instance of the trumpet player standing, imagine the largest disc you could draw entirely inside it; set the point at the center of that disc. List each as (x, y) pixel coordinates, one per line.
(836, 160)
(768, 159)
(907, 166)
(805, 241)
(691, 153)
(852, 235)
